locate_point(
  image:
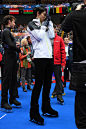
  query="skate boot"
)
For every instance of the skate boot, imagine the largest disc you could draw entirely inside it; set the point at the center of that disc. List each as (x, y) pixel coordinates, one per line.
(17, 96)
(53, 96)
(6, 107)
(35, 116)
(60, 99)
(24, 89)
(54, 93)
(28, 87)
(47, 110)
(15, 102)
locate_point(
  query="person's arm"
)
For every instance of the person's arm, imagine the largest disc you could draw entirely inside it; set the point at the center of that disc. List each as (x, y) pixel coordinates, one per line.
(63, 54)
(7, 38)
(21, 56)
(67, 24)
(50, 30)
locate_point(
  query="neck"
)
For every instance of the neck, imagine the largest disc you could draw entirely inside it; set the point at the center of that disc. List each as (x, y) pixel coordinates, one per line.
(66, 44)
(84, 1)
(7, 25)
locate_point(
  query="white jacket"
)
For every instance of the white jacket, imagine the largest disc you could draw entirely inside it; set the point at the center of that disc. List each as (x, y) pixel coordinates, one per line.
(41, 39)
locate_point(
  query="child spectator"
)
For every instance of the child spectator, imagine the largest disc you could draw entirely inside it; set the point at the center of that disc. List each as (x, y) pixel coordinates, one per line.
(25, 64)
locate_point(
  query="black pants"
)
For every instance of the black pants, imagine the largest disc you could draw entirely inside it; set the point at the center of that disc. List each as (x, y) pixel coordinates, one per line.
(9, 77)
(43, 76)
(57, 73)
(65, 72)
(80, 110)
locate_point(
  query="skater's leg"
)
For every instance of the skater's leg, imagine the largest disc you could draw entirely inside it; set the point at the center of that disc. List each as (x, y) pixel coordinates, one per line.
(39, 75)
(46, 108)
(57, 73)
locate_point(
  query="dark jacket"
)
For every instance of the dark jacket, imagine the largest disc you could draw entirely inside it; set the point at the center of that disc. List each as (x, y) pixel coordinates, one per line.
(9, 43)
(70, 52)
(76, 21)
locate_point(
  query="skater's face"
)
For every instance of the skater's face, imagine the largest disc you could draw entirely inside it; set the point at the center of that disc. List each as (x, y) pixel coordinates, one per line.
(11, 23)
(42, 16)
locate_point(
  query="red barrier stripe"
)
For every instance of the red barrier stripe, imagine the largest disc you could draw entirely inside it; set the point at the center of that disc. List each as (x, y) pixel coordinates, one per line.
(0, 86)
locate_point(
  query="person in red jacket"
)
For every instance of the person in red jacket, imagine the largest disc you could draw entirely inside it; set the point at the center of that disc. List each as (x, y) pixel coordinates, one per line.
(59, 57)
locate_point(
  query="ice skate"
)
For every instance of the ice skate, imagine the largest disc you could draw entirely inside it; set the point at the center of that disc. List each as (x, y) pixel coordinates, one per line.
(60, 99)
(15, 103)
(35, 116)
(48, 111)
(5, 107)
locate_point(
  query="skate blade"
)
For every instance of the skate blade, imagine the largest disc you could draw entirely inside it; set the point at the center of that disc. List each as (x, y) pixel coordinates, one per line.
(6, 110)
(49, 115)
(53, 96)
(60, 102)
(15, 106)
(34, 121)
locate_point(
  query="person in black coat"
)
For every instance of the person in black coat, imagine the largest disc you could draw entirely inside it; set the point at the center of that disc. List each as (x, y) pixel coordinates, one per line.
(9, 64)
(76, 21)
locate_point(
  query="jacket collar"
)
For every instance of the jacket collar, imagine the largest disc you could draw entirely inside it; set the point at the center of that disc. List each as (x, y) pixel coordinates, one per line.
(8, 28)
(38, 20)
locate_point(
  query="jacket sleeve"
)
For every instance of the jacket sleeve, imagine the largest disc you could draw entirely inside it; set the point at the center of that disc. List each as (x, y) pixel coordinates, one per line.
(51, 30)
(63, 54)
(38, 34)
(21, 57)
(67, 24)
(9, 42)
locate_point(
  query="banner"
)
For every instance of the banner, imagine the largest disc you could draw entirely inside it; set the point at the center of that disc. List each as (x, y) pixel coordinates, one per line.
(58, 9)
(28, 11)
(13, 11)
(69, 9)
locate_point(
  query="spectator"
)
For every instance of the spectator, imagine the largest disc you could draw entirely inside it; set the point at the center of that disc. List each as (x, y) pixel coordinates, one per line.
(32, 54)
(59, 60)
(25, 64)
(66, 42)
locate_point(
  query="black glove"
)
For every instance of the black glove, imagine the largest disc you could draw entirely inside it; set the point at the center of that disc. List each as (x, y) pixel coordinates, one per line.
(46, 22)
(48, 17)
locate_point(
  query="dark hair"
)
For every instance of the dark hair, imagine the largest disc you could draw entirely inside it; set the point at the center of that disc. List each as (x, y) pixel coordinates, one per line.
(8, 17)
(65, 36)
(28, 37)
(40, 10)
